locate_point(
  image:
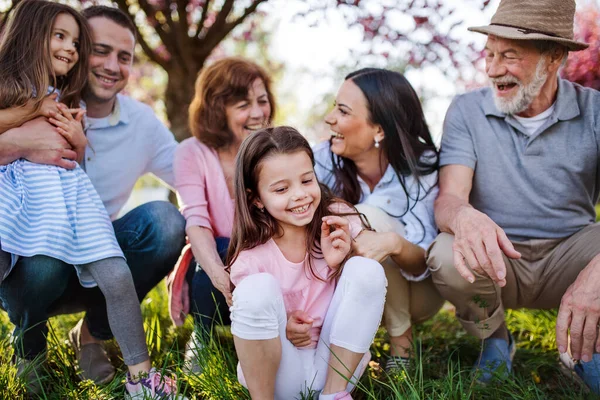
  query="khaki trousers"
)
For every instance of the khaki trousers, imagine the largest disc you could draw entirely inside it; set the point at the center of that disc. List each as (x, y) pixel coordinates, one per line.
(538, 279)
(406, 302)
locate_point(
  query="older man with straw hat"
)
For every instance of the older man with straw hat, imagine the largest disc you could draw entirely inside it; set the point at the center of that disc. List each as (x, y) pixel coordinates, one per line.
(519, 179)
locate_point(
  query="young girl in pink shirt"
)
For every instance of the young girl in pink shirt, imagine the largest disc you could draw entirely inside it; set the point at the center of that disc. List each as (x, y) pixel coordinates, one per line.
(298, 297)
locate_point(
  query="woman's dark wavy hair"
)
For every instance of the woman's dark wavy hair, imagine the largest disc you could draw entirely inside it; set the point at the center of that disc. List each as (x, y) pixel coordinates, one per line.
(393, 104)
(253, 227)
(25, 60)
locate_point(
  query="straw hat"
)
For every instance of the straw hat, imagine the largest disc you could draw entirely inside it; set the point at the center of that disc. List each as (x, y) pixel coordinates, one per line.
(534, 20)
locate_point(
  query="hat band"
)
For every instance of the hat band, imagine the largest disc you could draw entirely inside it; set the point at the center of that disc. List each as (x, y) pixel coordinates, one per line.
(528, 31)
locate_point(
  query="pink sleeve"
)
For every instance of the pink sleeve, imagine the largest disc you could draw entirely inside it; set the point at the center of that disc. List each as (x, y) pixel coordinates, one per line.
(242, 267)
(190, 183)
(354, 220)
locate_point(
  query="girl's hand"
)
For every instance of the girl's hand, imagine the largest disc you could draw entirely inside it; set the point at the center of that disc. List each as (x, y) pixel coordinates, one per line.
(49, 106)
(335, 244)
(220, 280)
(298, 327)
(377, 245)
(71, 128)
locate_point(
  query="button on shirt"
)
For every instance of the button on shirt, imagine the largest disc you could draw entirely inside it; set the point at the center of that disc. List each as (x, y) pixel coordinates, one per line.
(542, 185)
(122, 147)
(389, 196)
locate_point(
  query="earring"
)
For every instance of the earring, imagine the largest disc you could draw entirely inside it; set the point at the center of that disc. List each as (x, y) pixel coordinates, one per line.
(262, 209)
(376, 143)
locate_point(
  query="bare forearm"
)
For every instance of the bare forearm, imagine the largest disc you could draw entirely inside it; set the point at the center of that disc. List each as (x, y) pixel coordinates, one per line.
(447, 208)
(409, 256)
(204, 249)
(9, 148)
(14, 117)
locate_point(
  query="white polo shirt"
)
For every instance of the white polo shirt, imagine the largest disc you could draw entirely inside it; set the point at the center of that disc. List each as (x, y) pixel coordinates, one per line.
(124, 146)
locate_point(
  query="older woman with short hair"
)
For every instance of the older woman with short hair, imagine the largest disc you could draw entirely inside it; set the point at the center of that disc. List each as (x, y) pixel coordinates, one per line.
(233, 99)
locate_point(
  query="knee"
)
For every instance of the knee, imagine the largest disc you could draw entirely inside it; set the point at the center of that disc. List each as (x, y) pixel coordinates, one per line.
(256, 295)
(440, 260)
(33, 285)
(367, 274)
(168, 225)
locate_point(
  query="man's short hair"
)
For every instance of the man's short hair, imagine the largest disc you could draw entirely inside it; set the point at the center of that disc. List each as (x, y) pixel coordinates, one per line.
(112, 13)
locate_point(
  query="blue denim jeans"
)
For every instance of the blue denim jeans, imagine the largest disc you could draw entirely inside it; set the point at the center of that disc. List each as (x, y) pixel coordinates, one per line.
(151, 237)
(208, 305)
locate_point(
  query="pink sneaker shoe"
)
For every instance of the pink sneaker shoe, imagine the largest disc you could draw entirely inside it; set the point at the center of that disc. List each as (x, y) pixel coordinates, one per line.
(154, 386)
(343, 396)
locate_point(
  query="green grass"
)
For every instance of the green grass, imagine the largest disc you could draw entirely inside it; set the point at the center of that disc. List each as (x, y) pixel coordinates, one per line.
(445, 354)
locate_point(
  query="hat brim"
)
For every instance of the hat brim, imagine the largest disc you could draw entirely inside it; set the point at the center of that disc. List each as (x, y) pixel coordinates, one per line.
(508, 32)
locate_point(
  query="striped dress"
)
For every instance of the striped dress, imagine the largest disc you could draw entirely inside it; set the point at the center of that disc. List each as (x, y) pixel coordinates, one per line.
(52, 211)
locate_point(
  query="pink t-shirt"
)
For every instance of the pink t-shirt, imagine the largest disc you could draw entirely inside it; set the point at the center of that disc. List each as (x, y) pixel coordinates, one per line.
(300, 289)
(200, 183)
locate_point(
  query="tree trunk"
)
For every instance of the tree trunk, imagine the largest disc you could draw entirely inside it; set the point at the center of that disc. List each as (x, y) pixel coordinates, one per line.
(178, 95)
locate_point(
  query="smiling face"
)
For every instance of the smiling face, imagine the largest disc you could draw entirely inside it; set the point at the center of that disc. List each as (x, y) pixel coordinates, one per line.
(353, 134)
(251, 114)
(64, 44)
(288, 189)
(110, 62)
(517, 73)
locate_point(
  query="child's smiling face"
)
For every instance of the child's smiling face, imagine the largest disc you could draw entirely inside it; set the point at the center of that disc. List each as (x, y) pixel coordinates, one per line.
(288, 189)
(64, 44)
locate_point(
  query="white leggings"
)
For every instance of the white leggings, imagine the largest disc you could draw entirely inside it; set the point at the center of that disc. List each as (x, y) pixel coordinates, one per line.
(258, 313)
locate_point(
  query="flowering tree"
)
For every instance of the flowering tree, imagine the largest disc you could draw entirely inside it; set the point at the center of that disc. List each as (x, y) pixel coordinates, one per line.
(180, 35)
(583, 66)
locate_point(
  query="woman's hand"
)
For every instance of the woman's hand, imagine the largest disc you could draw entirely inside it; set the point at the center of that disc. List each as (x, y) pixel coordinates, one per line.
(335, 244)
(298, 327)
(377, 245)
(220, 280)
(71, 128)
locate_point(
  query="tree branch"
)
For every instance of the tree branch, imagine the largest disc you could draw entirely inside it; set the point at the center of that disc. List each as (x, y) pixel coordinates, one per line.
(251, 9)
(215, 29)
(228, 27)
(152, 55)
(164, 37)
(202, 18)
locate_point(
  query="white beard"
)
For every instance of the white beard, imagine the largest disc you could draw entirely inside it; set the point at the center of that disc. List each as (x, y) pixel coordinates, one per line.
(525, 93)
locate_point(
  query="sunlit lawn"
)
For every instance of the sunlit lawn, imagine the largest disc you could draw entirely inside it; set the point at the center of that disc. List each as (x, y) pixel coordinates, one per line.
(445, 355)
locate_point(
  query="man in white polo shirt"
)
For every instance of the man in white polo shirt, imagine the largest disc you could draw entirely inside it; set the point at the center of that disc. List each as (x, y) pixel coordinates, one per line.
(126, 141)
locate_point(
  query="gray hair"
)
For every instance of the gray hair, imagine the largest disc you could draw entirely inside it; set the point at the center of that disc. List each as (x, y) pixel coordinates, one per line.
(548, 47)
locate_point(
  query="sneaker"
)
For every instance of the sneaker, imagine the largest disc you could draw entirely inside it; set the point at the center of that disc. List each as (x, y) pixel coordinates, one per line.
(191, 363)
(93, 361)
(585, 373)
(343, 396)
(154, 386)
(395, 364)
(31, 372)
(496, 359)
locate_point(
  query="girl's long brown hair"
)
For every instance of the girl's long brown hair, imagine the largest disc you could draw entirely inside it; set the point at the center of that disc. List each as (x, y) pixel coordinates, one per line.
(25, 61)
(252, 227)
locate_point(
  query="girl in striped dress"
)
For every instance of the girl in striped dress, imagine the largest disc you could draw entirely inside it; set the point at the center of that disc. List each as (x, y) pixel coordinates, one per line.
(55, 212)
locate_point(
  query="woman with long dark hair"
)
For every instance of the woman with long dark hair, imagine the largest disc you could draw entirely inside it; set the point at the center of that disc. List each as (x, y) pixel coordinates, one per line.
(382, 158)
